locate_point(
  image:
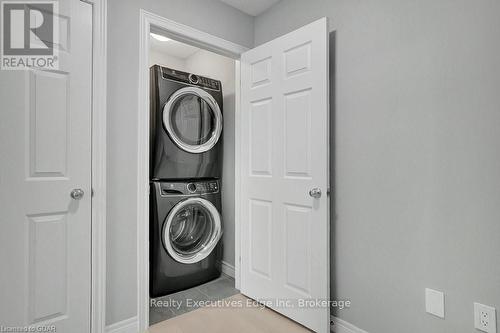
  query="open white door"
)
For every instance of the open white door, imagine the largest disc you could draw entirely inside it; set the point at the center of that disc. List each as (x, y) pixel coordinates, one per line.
(45, 154)
(284, 174)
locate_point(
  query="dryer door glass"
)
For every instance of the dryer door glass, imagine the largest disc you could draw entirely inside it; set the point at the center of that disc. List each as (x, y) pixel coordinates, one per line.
(193, 119)
(192, 230)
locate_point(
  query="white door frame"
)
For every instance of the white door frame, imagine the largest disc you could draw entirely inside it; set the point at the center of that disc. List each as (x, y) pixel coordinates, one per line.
(203, 40)
(99, 111)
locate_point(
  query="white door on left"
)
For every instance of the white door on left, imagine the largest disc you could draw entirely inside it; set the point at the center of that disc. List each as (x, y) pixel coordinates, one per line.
(45, 154)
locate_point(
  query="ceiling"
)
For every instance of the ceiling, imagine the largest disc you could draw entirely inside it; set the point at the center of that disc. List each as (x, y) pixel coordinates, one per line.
(173, 48)
(251, 7)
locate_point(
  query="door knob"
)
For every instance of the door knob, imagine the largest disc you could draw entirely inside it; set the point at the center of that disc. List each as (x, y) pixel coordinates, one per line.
(315, 193)
(77, 193)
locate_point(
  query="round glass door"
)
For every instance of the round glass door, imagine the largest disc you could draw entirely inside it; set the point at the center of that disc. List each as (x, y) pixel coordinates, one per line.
(192, 230)
(193, 120)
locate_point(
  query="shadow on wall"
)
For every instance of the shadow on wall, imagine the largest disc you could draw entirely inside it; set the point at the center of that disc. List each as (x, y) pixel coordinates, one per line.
(228, 173)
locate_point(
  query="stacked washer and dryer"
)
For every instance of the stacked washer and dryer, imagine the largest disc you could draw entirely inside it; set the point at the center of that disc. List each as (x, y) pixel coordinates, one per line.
(185, 197)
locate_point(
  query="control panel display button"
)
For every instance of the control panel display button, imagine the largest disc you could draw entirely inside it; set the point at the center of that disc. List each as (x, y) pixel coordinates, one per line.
(191, 187)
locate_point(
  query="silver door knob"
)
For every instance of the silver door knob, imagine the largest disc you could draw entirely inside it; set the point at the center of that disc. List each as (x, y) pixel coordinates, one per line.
(315, 193)
(77, 193)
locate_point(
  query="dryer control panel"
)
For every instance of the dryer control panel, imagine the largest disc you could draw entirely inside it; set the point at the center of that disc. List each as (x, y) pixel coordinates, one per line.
(203, 187)
(190, 78)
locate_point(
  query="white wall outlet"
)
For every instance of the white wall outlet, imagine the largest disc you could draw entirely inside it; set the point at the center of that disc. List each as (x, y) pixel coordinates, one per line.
(434, 302)
(485, 318)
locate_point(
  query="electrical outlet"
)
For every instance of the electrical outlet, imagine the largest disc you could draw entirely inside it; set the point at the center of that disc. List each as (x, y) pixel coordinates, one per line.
(485, 318)
(434, 302)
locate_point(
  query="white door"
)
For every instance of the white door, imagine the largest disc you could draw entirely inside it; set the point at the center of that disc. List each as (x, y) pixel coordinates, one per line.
(45, 142)
(284, 149)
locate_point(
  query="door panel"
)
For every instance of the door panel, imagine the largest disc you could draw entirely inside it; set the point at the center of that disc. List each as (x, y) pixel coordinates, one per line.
(45, 146)
(47, 266)
(298, 259)
(48, 96)
(260, 138)
(260, 237)
(297, 147)
(285, 231)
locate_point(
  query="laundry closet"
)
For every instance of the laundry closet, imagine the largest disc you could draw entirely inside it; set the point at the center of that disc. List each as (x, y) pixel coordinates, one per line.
(192, 177)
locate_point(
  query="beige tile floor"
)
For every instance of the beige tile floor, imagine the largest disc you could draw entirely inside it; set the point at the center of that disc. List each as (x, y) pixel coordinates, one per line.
(229, 317)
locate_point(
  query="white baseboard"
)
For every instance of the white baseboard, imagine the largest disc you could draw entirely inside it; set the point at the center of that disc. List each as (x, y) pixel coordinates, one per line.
(338, 325)
(228, 269)
(130, 325)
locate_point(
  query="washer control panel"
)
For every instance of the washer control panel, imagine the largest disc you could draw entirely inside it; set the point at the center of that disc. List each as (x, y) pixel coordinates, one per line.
(211, 186)
(195, 187)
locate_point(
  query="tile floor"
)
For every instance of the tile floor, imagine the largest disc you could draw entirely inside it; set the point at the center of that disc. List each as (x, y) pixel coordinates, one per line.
(186, 301)
(228, 318)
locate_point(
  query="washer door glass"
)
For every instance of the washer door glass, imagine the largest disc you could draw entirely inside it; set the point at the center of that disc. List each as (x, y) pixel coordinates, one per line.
(192, 230)
(193, 119)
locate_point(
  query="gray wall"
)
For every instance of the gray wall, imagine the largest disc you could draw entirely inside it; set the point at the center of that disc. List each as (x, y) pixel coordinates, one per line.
(211, 16)
(417, 128)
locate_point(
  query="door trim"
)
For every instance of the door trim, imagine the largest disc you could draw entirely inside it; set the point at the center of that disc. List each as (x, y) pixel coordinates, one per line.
(152, 22)
(98, 224)
(237, 177)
